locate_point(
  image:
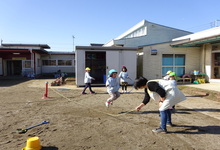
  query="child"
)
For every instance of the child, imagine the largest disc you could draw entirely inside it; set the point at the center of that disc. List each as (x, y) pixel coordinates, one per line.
(123, 79)
(113, 86)
(87, 81)
(172, 78)
(165, 94)
(167, 75)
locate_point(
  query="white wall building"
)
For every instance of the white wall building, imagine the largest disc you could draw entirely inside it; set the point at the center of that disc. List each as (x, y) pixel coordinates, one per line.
(162, 48)
(101, 60)
(54, 61)
(208, 43)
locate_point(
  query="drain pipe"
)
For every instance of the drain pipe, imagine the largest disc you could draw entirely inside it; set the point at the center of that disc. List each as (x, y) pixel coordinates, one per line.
(32, 60)
(204, 59)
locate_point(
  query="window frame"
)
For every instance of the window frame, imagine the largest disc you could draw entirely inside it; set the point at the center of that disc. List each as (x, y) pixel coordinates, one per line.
(173, 67)
(49, 64)
(65, 62)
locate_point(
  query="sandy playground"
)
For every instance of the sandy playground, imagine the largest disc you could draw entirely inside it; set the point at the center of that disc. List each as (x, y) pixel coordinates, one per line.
(82, 122)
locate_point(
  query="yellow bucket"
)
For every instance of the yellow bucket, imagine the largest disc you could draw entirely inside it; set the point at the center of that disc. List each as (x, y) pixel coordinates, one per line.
(33, 143)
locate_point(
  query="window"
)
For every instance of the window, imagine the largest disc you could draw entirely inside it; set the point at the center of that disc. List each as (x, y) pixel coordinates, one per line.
(64, 62)
(27, 64)
(140, 32)
(173, 62)
(49, 62)
(38, 63)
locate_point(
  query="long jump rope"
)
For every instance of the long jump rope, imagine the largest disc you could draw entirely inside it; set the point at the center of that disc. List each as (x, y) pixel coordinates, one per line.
(113, 115)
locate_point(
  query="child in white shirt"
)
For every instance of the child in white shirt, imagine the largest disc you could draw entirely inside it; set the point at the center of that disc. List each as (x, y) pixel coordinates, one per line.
(87, 81)
(124, 79)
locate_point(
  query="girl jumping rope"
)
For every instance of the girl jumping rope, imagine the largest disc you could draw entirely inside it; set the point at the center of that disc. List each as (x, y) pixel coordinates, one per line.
(113, 86)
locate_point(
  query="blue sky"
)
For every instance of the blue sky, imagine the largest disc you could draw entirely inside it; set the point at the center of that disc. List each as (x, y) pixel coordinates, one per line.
(54, 22)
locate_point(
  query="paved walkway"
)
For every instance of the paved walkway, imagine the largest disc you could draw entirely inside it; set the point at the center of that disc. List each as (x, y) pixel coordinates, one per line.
(207, 86)
(202, 105)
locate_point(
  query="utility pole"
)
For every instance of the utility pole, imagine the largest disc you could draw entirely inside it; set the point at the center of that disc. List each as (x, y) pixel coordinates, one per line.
(215, 23)
(73, 42)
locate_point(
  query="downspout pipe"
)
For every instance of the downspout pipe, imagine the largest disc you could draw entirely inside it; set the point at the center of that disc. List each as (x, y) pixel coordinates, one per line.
(32, 64)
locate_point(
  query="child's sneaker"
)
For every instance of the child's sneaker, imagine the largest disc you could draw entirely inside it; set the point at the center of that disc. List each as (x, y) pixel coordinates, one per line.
(107, 103)
(160, 130)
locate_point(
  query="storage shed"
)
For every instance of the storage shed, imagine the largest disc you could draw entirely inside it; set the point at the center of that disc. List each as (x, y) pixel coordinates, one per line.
(101, 59)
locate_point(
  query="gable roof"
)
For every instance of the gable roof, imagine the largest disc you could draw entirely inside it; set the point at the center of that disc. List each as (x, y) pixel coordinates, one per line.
(142, 24)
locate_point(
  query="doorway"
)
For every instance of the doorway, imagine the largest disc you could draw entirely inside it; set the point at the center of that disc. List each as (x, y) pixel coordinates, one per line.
(96, 61)
(216, 65)
(14, 67)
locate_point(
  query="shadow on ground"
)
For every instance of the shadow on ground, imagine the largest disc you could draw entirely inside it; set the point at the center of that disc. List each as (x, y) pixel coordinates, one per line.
(197, 129)
(12, 80)
(49, 148)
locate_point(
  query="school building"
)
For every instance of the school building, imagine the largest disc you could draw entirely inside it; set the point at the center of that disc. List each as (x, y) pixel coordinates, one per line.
(33, 59)
(147, 49)
(161, 48)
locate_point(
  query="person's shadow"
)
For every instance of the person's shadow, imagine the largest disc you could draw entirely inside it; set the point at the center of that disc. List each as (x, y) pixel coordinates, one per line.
(197, 129)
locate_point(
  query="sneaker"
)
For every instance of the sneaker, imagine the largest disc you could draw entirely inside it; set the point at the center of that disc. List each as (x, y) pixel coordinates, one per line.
(92, 92)
(84, 93)
(160, 130)
(107, 103)
(169, 125)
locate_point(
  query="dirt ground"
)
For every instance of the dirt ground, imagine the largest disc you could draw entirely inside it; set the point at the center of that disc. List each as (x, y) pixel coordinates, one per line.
(82, 122)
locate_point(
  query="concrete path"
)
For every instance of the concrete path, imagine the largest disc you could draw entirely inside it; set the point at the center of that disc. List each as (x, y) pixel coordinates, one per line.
(202, 105)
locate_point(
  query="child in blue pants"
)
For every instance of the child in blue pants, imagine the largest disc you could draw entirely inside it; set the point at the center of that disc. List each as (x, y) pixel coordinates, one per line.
(87, 80)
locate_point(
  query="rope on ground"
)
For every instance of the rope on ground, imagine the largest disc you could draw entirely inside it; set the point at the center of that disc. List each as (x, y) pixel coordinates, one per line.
(113, 115)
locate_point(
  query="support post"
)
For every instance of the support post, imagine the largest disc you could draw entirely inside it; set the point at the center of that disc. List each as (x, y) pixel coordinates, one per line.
(45, 96)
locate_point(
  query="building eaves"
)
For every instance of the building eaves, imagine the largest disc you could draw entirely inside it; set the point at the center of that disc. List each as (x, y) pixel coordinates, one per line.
(45, 46)
(196, 43)
(60, 53)
(8, 49)
(197, 39)
(141, 46)
(104, 48)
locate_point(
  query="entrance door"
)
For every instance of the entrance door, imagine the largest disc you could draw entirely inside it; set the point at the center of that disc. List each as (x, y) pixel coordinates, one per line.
(1, 67)
(14, 67)
(216, 66)
(96, 61)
